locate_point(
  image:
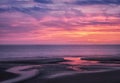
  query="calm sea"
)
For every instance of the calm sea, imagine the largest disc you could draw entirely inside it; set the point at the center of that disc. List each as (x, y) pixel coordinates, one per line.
(7, 51)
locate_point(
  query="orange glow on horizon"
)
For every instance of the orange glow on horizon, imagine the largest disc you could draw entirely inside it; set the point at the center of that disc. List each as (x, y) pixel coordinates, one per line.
(71, 34)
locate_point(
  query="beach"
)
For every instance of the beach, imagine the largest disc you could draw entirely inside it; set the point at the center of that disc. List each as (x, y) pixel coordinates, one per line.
(59, 41)
(60, 70)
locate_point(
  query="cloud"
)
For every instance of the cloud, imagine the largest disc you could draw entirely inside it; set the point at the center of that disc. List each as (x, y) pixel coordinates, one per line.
(96, 2)
(44, 1)
(24, 9)
(57, 19)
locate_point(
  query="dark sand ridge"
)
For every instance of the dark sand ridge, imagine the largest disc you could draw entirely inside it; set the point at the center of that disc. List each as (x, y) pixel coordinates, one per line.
(6, 75)
(113, 60)
(31, 60)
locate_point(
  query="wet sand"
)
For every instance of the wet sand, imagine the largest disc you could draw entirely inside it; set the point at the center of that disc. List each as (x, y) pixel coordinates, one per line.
(60, 70)
(94, 77)
(6, 75)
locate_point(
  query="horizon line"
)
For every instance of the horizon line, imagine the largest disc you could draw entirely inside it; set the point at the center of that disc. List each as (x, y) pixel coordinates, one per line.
(59, 44)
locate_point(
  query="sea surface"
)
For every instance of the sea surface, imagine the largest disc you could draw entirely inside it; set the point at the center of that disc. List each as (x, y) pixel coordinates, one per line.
(15, 51)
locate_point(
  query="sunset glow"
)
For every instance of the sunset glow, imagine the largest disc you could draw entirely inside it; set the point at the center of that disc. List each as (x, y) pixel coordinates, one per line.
(59, 22)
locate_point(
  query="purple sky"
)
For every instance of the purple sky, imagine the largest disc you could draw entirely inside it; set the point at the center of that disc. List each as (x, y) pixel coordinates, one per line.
(59, 21)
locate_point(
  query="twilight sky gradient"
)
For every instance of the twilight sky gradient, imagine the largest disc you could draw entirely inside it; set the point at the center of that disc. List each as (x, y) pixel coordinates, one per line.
(59, 21)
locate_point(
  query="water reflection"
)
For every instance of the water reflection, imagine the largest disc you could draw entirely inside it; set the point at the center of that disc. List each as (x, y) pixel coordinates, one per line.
(76, 62)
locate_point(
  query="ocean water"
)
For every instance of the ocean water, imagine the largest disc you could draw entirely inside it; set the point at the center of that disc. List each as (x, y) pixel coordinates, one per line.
(15, 51)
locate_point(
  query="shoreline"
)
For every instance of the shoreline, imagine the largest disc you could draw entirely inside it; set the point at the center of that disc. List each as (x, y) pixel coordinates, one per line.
(60, 70)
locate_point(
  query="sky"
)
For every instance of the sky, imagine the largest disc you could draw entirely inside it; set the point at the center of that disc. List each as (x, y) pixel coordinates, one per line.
(59, 21)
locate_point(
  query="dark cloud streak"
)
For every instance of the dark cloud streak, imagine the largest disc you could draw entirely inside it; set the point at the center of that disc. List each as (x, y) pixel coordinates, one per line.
(96, 2)
(22, 9)
(44, 1)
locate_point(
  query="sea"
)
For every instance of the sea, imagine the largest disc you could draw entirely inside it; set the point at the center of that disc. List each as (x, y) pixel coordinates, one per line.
(46, 51)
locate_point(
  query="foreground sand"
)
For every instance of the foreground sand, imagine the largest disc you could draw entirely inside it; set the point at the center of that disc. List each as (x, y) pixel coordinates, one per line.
(60, 70)
(99, 77)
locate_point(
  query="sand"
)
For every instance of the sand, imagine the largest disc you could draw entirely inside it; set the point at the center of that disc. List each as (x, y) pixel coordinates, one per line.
(59, 70)
(99, 77)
